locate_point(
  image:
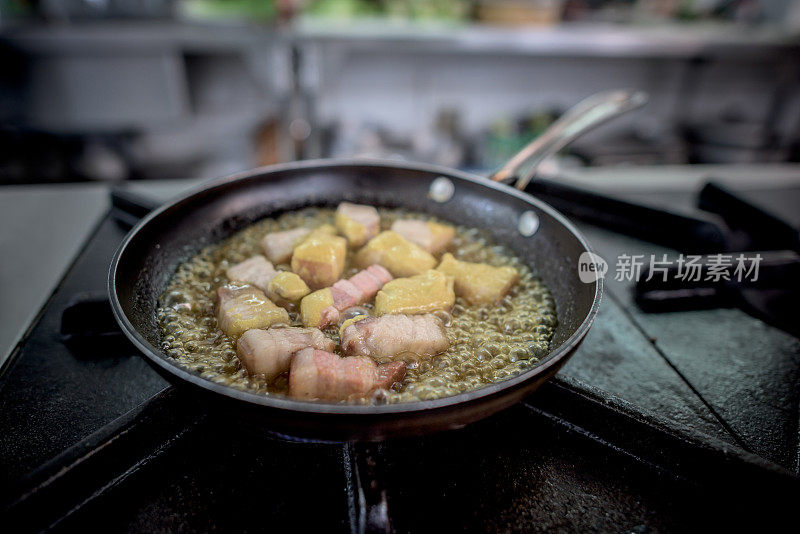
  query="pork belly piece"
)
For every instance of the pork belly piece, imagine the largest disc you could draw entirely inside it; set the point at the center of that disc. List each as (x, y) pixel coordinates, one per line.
(319, 260)
(357, 222)
(478, 283)
(317, 374)
(389, 374)
(240, 309)
(391, 335)
(431, 236)
(322, 307)
(287, 287)
(423, 293)
(256, 271)
(399, 255)
(269, 352)
(360, 288)
(278, 246)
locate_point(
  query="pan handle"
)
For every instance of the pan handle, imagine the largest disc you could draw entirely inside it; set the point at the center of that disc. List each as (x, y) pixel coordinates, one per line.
(581, 118)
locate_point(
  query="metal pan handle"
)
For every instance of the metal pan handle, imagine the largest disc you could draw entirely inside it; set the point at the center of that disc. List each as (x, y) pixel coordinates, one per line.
(581, 118)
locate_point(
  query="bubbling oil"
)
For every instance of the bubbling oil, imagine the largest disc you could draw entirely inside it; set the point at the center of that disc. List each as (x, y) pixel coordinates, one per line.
(487, 344)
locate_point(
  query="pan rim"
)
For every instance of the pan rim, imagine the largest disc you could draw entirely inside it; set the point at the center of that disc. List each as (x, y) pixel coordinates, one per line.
(553, 358)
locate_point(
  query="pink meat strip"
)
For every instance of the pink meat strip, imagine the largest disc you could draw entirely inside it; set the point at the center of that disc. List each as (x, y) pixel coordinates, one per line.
(346, 294)
(360, 288)
(318, 374)
(390, 335)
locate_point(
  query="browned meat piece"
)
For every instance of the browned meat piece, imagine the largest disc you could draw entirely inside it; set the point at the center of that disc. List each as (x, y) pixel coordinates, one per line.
(358, 223)
(256, 271)
(345, 294)
(391, 335)
(240, 309)
(360, 288)
(389, 374)
(431, 236)
(269, 352)
(278, 246)
(317, 374)
(371, 280)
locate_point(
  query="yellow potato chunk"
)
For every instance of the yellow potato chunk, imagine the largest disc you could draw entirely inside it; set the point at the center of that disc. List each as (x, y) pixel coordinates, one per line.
(319, 260)
(357, 222)
(478, 283)
(288, 287)
(400, 256)
(240, 309)
(423, 293)
(313, 304)
(278, 246)
(320, 231)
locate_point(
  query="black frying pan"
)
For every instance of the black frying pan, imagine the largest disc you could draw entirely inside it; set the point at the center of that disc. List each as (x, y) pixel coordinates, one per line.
(542, 237)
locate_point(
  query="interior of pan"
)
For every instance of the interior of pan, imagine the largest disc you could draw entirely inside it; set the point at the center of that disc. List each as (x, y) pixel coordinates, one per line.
(152, 251)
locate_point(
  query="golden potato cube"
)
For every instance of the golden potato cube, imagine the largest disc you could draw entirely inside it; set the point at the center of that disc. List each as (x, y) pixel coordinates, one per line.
(319, 260)
(286, 286)
(240, 309)
(320, 231)
(279, 246)
(400, 256)
(312, 305)
(479, 283)
(423, 293)
(357, 222)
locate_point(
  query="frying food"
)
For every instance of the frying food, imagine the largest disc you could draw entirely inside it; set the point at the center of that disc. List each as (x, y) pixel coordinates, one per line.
(286, 287)
(319, 259)
(317, 374)
(278, 246)
(358, 305)
(423, 293)
(357, 223)
(256, 271)
(429, 235)
(240, 309)
(269, 352)
(399, 255)
(393, 335)
(479, 283)
(322, 307)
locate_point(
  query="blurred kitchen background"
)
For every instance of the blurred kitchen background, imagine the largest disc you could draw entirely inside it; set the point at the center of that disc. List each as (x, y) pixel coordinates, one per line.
(112, 90)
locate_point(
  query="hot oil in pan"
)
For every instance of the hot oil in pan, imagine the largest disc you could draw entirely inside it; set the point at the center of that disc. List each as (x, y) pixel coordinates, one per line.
(487, 344)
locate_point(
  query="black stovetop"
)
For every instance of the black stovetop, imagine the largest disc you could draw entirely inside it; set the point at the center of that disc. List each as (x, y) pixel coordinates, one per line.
(659, 422)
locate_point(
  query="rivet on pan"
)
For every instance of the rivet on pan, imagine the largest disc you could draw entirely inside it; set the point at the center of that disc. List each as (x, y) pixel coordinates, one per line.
(528, 223)
(441, 189)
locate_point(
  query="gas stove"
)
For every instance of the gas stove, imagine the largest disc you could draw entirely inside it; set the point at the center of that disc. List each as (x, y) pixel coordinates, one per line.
(672, 421)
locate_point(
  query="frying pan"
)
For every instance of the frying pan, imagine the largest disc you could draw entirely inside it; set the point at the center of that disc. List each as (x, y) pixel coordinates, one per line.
(542, 237)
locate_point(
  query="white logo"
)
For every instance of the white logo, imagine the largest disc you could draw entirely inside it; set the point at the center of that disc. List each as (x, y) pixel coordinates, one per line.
(591, 267)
